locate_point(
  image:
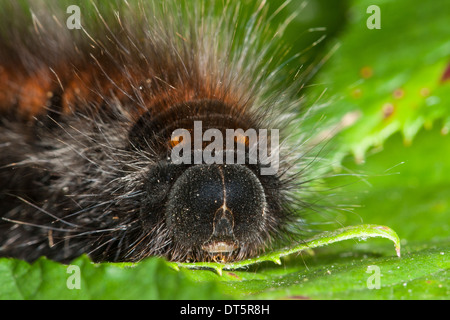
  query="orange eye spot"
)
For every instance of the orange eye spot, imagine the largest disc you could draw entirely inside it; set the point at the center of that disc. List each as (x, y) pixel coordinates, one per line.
(176, 141)
(241, 139)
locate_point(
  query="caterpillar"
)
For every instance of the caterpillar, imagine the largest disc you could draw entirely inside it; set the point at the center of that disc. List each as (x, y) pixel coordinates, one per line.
(87, 124)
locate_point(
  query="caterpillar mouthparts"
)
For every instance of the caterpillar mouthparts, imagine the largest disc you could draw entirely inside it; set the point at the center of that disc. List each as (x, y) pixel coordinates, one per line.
(152, 129)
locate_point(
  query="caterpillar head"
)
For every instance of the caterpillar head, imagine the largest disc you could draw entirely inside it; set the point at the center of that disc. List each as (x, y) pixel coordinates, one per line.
(221, 209)
(212, 211)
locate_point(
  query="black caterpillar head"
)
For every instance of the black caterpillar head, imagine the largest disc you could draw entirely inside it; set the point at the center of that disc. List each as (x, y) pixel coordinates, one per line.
(217, 211)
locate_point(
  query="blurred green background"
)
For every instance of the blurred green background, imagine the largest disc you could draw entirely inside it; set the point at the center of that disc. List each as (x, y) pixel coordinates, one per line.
(395, 79)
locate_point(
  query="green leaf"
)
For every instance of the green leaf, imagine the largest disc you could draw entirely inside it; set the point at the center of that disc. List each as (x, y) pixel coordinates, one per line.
(151, 279)
(361, 232)
(344, 275)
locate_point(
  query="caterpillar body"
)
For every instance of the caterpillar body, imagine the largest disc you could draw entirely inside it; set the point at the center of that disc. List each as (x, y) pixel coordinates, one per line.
(86, 133)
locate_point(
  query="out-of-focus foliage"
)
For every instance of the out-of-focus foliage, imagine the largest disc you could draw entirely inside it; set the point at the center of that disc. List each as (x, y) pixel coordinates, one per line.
(393, 77)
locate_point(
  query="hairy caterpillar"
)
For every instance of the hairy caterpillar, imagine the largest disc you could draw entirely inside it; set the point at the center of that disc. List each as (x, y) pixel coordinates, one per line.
(87, 117)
